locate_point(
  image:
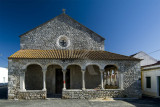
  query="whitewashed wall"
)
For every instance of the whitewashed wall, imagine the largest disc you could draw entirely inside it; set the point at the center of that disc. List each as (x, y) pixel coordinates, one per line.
(147, 60)
(3, 75)
(153, 91)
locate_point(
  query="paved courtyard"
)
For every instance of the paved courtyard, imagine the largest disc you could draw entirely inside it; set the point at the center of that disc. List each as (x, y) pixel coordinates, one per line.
(144, 102)
(80, 103)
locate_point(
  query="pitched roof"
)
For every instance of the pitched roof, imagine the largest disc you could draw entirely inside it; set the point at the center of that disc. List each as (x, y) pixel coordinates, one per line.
(68, 54)
(157, 63)
(65, 16)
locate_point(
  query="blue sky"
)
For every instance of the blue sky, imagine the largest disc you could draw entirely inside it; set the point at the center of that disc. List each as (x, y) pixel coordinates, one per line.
(129, 26)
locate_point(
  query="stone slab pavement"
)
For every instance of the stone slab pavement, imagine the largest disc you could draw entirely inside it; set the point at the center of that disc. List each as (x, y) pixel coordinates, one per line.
(80, 103)
(144, 102)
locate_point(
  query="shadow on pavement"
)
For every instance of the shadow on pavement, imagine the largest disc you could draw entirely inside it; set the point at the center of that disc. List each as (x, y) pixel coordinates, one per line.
(144, 102)
(4, 92)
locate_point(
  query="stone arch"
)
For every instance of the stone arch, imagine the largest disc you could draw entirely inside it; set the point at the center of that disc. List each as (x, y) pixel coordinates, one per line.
(30, 63)
(33, 77)
(95, 64)
(46, 66)
(73, 64)
(113, 65)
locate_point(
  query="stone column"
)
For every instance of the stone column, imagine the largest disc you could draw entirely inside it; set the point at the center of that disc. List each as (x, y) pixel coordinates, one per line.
(22, 80)
(101, 71)
(105, 78)
(111, 77)
(83, 79)
(44, 79)
(117, 78)
(121, 76)
(64, 79)
(108, 77)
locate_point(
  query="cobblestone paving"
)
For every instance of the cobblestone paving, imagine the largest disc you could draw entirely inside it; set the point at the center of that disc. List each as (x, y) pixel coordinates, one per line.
(80, 103)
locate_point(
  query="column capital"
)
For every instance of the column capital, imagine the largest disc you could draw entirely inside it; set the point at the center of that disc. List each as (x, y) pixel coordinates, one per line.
(64, 70)
(102, 70)
(44, 70)
(83, 70)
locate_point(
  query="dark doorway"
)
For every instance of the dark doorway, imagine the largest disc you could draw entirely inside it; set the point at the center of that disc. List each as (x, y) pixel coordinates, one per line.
(59, 81)
(68, 79)
(159, 84)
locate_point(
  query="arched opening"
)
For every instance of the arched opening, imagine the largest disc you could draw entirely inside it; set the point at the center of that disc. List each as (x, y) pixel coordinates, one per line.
(34, 77)
(74, 77)
(54, 80)
(111, 77)
(92, 77)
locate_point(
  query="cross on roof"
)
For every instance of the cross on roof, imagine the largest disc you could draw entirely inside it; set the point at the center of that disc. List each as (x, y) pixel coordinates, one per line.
(64, 10)
(63, 43)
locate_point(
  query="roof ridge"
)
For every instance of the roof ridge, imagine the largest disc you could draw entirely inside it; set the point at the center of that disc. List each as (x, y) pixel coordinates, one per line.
(58, 16)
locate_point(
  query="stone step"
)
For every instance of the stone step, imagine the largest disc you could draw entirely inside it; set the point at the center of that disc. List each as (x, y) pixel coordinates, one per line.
(54, 96)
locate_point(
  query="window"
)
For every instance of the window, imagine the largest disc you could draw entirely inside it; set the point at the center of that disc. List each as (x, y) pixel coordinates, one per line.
(148, 82)
(3, 79)
(63, 41)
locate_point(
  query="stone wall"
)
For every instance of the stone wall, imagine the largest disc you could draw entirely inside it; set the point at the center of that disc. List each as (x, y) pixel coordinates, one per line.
(47, 35)
(93, 94)
(31, 95)
(129, 69)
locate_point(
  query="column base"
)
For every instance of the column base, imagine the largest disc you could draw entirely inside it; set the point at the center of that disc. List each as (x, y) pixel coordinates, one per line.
(44, 89)
(64, 88)
(23, 90)
(83, 88)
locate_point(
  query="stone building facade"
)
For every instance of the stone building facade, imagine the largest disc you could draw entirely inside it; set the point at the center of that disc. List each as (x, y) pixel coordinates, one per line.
(62, 57)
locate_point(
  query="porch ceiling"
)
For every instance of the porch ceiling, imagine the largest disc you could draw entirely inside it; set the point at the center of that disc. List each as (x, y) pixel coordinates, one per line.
(68, 54)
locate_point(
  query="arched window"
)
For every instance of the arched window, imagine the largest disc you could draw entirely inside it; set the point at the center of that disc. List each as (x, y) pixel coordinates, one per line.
(111, 77)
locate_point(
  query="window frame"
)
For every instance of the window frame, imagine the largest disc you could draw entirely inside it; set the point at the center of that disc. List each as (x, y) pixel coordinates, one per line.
(148, 82)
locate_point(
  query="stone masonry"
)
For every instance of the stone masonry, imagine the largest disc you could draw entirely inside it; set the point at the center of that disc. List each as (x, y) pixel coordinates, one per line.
(45, 37)
(129, 69)
(63, 32)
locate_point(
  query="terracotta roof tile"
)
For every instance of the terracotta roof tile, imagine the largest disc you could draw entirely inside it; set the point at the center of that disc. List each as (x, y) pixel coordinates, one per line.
(68, 54)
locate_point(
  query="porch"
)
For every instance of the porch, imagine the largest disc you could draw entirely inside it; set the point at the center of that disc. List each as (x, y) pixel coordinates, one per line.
(72, 82)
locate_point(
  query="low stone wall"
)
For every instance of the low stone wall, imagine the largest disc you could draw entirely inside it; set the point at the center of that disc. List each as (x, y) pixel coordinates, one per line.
(92, 94)
(31, 94)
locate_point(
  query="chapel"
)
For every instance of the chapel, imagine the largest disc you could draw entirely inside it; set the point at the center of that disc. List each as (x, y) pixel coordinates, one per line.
(63, 58)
